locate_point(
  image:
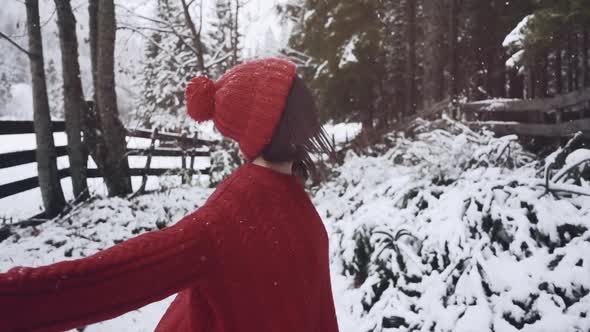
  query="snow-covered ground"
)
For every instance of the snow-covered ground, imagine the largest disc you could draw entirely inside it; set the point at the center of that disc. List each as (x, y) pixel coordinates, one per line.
(448, 230)
(343, 132)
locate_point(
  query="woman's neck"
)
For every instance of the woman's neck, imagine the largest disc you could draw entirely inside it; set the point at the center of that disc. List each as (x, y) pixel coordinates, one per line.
(281, 167)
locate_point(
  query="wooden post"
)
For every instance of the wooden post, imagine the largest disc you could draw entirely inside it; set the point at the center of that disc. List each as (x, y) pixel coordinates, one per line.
(148, 162)
(192, 165)
(183, 147)
(558, 115)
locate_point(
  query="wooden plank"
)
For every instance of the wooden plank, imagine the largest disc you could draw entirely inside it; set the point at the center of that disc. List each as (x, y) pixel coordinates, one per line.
(512, 115)
(168, 137)
(499, 105)
(16, 187)
(162, 171)
(26, 127)
(13, 188)
(563, 129)
(576, 98)
(168, 153)
(11, 159)
(94, 173)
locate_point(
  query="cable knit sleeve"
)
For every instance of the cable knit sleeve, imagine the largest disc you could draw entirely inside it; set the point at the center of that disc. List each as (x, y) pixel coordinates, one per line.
(124, 277)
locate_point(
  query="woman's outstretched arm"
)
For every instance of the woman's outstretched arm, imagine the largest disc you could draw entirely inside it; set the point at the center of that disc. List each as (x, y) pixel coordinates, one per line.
(125, 277)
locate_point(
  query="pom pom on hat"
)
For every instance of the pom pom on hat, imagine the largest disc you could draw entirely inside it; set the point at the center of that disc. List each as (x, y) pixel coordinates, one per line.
(245, 103)
(200, 98)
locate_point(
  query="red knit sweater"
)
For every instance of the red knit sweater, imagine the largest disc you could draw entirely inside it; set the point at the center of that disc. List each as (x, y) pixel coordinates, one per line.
(253, 258)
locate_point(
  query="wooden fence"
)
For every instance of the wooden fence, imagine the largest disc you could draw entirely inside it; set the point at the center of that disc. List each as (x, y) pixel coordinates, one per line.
(171, 145)
(561, 116)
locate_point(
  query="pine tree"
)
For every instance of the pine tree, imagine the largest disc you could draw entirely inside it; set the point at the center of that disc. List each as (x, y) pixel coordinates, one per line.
(225, 35)
(14, 69)
(171, 59)
(380, 60)
(557, 38)
(344, 42)
(169, 63)
(54, 90)
(394, 52)
(5, 93)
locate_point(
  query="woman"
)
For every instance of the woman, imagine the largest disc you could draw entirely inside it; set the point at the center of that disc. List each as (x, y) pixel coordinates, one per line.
(254, 257)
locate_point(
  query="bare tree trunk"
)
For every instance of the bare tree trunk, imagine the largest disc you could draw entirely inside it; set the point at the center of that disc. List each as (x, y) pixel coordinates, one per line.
(498, 65)
(453, 50)
(516, 81)
(542, 77)
(235, 39)
(116, 168)
(570, 63)
(433, 78)
(557, 71)
(74, 103)
(93, 34)
(49, 182)
(196, 34)
(411, 60)
(575, 60)
(93, 138)
(585, 48)
(530, 82)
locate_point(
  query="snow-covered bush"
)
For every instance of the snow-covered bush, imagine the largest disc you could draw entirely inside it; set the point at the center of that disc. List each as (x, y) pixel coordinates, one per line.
(454, 230)
(225, 159)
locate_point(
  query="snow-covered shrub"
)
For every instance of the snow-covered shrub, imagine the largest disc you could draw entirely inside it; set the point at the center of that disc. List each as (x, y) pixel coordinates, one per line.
(445, 148)
(454, 230)
(225, 159)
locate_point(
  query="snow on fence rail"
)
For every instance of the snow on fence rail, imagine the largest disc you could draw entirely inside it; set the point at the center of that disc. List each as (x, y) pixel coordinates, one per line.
(560, 116)
(180, 146)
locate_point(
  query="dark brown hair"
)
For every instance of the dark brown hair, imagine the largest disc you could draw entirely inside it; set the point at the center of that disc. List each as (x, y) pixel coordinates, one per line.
(299, 132)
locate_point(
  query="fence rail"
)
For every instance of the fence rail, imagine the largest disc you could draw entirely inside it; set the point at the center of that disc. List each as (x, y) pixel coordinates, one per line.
(10, 159)
(560, 116)
(184, 147)
(26, 127)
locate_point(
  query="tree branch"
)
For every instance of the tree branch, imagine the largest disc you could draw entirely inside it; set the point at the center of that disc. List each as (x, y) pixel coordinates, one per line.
(217, 61)
(155, 29)
(151, 40)
(180, 36)
(20, 48)
(565, 171)
(196, 35)
(150, 19)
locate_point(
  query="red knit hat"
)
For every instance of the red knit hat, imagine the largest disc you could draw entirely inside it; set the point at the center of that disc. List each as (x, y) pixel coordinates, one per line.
(246, 103)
